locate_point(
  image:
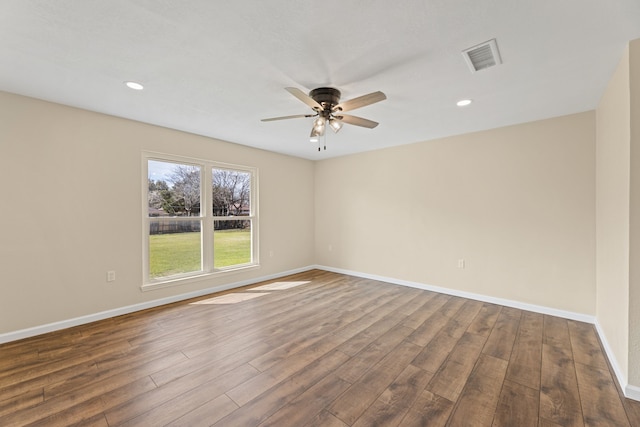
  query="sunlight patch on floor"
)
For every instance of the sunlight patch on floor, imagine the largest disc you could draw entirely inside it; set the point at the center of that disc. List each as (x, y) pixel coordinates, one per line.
(280, 285)
(231, 298)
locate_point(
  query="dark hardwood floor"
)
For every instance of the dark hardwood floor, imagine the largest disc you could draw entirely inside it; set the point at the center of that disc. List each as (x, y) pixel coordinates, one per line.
(316, 349)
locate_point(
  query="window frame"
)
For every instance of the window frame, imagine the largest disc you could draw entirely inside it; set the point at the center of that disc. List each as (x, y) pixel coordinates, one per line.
(206, 219)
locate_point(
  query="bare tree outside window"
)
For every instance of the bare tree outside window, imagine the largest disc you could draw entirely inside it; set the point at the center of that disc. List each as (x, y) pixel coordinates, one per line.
(231, 197)
(176, 194)
(186, 187)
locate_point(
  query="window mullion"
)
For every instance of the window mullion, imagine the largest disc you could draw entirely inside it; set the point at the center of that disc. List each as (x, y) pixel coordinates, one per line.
(145, 242)
(207, 222)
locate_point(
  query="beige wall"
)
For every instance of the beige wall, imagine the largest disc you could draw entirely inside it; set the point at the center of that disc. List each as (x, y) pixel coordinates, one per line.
(612, 213)
(634, 272)
(516, 203)
(618, 217)
(71, 210)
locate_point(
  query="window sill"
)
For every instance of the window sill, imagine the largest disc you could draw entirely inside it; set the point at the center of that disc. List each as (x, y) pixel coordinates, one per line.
(185, 280)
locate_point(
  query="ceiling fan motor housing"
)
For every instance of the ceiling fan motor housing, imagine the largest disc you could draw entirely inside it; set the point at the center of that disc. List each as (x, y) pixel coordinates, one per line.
(328, 97)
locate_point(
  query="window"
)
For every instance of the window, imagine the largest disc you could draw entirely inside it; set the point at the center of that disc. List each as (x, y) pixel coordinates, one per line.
(231, 193)
(200, 218)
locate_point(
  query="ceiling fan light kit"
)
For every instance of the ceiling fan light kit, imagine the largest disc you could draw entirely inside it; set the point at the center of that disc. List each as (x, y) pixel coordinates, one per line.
(335, 125)
(316, 132)
(319, 123)
(326, 106)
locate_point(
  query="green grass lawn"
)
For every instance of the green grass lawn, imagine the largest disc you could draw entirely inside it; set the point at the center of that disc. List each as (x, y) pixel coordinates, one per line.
(177, 253)
(231, 247)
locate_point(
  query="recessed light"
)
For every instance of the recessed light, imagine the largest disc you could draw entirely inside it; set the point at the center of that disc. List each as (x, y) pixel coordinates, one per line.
(134, 85)
(463, 102)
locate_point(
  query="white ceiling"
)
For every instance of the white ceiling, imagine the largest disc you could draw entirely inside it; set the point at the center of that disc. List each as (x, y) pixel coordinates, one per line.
(216, 68)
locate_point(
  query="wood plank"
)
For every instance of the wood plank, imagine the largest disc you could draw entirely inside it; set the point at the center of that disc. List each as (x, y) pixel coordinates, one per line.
(559, 397)
(268, 313)
(325, 419)
(479, 398)
(462, 320)
(90, 393)
(303, 339)
(503, 335)
(450, 379)
(442, 321)
(428, 410)
(352, 370)
(207, 361)
(430, 306)
(357, 398)
(585, 345)
(84, 412)
(632, 408)
(418, 301)
(518, 406)
(433, 355)
(157, 406)
(206, 414)
(601, 404)
(433, 325)
(261, 382)
(484, 321)
(546, 423)
(37, 377)
(159, 411)
(556, 332)
(95, 421)
(367, 329)
(393, 404)
(263, 406)
(273, 330)
(127, 392)
(452, 306)
(308, 404)
(16, 402)
(526, 356)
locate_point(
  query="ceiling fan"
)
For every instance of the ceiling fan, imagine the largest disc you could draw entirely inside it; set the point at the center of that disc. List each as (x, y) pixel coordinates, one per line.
(326, 105)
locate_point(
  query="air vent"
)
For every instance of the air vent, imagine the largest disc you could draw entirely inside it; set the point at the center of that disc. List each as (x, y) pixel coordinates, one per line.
(484, 55)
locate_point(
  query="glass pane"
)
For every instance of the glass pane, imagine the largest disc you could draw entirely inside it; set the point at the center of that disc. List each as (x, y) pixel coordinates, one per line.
(231, 192)
(231, 243)
(174, 189)
(174, 248)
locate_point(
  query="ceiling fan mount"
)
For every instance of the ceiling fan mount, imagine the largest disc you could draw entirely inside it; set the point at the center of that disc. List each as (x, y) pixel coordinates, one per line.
(328, 110)
(327, 97)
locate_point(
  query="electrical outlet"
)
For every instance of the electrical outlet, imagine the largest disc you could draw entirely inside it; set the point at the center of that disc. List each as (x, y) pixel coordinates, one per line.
(111, 276)
(461, 263)
(271, 254)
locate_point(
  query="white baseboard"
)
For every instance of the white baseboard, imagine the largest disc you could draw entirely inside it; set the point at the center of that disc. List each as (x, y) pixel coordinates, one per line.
(55, 326)
(478, 297)
(632, 392)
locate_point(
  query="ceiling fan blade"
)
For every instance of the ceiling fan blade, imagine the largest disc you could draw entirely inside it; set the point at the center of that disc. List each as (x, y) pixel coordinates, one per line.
(304, 98)
(357, 121)
(360, 101)
(287, 117)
